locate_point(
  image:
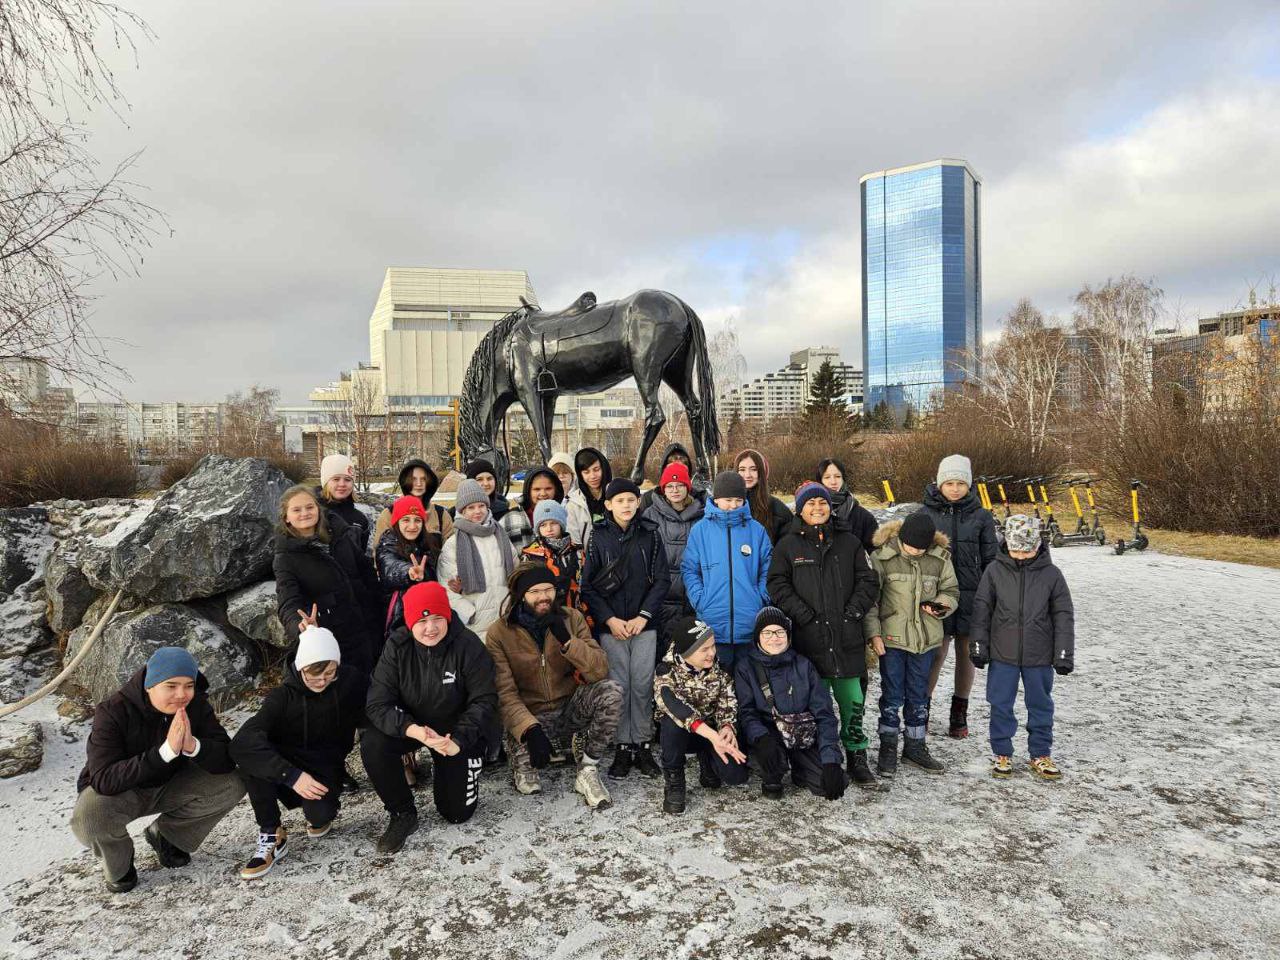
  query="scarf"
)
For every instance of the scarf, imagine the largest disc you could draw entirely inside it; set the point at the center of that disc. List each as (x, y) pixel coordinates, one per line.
(470, 567)
(556, 544)
(537, 626)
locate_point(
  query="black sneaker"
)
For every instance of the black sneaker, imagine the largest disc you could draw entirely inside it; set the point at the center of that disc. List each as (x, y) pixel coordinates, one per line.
(859, 770)
(620, 769)
(399, 828)
(915, 751)
(168, 855)
(642, 757)
(708, 779)
(673, 792)
(771, 790)
(125, 883)
(887, 761)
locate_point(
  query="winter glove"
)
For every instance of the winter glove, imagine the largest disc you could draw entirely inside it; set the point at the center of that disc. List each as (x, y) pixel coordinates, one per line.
(559, 630)
(833, 782)
(771, 753)
(852, 613)
(978, 656)
(1062, 666)
(539, 747)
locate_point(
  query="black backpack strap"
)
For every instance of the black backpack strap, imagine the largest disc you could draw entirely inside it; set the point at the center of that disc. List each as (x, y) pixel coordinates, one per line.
(762, 678)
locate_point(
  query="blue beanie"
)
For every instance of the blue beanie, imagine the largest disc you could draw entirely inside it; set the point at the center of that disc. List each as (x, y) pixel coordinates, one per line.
(550, 510)
(808, 491)
(167, 663)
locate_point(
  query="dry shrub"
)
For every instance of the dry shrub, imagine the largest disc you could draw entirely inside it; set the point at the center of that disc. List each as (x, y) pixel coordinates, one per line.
(911, 458)
(1205, 472)
(36, 464)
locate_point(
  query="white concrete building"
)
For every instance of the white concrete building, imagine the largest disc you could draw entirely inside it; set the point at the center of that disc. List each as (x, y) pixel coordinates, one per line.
(785, 392)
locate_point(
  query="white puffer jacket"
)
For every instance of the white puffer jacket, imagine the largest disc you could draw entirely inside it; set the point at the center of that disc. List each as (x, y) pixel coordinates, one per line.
(477, 610)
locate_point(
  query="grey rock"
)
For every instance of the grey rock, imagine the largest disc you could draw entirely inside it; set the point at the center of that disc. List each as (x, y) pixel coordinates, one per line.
(22, 623)
(20, 676)
(69, 593)
(131, 637)
(209, 533)
(252, 611)
(21, 748)
(25, 539)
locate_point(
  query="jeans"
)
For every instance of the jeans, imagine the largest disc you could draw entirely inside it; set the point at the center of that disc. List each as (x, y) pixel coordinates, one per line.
(904, 685)
(730, 653)
(1037, 690)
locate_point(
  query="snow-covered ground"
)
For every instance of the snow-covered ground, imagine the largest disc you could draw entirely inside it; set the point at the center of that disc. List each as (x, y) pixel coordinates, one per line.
(1161, 841)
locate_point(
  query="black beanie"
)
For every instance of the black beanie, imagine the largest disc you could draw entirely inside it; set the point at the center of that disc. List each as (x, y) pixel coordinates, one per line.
(477, 467)
(918, 530)
(620, 485)
(531, 578)
(729, 483)
(771, 617)
(688, 634)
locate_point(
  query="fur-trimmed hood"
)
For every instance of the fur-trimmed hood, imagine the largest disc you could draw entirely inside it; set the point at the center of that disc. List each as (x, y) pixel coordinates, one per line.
(889, 531)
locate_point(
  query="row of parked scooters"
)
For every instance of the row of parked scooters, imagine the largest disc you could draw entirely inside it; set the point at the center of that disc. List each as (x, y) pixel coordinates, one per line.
(1087, 529)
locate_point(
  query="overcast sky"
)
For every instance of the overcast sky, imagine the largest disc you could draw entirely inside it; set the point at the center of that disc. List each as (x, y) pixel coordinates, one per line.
(712, 149)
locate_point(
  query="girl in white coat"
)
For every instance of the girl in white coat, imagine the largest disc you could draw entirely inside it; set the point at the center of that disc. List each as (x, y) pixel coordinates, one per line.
(477, 559)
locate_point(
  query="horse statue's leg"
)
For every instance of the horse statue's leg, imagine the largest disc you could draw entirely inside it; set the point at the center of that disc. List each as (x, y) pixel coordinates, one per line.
(546, 431)
(540, 407)
(678, 375)
(654, 419)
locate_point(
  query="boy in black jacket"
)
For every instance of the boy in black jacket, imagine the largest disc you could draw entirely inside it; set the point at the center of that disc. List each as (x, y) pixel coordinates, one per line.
(1024, 627)
(156, 747)
(434, 686)
(291, 751)
(624, 581)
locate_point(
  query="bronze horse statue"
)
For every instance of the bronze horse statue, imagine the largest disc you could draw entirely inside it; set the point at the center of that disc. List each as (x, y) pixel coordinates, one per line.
(532, 357)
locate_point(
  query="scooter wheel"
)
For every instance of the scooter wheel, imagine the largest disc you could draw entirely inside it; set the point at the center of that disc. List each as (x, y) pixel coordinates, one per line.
(1058, 540)
(1119, 547)
(1142, 542)
(1102, 537)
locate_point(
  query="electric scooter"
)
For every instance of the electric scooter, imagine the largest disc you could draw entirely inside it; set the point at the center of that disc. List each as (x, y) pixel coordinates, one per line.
(1095, 527)
(1004, 498)
(889, 499)
(1082, 533)
(984, 496)
(1139, 541)
(1056, 536)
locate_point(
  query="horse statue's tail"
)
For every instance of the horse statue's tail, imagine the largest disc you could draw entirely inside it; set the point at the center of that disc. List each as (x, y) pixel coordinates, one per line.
(706, 385)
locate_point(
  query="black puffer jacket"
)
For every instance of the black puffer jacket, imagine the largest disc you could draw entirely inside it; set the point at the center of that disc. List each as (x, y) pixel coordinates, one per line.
(297, 730)
(822, 580)
(451, 687)
(124, 743)
(311, 572)
(1023, 614)
(971, 530)
(350, 514)
(645, 577)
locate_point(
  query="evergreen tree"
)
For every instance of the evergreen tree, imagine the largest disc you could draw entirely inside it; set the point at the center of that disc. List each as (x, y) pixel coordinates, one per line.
(881, 417)
(826, 415)
(909, 419)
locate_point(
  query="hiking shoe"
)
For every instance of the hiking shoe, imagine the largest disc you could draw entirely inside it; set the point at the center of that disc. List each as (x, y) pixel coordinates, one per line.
(168, 855)
(1045, 768)
(771, 790)
(621, 766)
(591, 787)
(399, 828)
(859, 770)
(673, 790)
(271, 847)
(125, 883)
(642, 757)
(958, 727)
(526, 778)
(915, 751)
(887, 761)
(317, 830)
(708, 779)
(1001, 767)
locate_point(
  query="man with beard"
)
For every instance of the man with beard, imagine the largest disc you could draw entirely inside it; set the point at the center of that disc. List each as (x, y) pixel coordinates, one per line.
(553, 684)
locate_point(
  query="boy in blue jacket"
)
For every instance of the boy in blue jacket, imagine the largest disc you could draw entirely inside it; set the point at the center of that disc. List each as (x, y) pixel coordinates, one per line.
(725, 566)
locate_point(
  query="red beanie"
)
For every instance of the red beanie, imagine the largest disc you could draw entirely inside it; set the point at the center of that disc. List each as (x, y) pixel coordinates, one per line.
(675, 473)
(404, 507)
(425, 599)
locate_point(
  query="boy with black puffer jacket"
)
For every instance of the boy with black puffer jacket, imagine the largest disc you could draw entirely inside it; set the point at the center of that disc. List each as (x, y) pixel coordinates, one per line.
(971, 532)
(787, 713)
(1024, 629)
(291, 752)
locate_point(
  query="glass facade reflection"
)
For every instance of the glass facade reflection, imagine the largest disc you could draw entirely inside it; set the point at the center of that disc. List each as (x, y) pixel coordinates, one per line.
(921, 281)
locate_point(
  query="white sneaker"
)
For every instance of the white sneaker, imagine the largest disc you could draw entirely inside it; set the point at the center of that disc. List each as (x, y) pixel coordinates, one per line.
(591, 787)
(522, 772)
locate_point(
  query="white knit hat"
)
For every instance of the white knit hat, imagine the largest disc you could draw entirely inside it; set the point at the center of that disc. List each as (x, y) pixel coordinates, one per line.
(955, 467)
(315, 645)
(335, 465)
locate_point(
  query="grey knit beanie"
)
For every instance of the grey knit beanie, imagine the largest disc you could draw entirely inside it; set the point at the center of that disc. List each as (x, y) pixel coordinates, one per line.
(469, 492)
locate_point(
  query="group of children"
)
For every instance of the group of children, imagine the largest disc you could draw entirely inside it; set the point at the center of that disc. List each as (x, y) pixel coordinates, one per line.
(712, 620)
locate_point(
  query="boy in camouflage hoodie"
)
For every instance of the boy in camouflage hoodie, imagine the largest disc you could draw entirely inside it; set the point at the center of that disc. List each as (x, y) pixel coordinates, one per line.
(697, 711)
(918, 590)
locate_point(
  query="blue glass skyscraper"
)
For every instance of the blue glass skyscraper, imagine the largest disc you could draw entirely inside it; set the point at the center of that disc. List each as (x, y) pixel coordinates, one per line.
(921, 281)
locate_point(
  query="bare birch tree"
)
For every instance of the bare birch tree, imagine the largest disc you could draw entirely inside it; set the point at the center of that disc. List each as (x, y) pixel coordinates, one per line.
(1114, 322)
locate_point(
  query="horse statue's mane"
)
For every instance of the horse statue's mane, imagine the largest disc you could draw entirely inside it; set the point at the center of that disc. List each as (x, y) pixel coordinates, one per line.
(475, 382)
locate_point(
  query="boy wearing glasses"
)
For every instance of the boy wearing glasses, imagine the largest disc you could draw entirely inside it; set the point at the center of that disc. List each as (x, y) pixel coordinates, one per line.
(291, 752)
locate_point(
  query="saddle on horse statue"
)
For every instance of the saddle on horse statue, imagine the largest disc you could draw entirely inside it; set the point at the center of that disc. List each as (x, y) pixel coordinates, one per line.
(547, 331)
